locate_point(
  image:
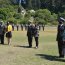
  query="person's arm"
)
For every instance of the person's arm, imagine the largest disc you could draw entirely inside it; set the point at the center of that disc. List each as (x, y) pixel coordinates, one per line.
(57, 33)
(28, 31)
(4, 29)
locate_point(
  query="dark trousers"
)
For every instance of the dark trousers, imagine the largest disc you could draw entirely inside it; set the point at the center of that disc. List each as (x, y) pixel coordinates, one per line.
(30, 41)
(2, 39)
(22, 28)
(17, 28)
(43, 28)
(13, 28)
(39, 28)
(36, 40)
(60, 48)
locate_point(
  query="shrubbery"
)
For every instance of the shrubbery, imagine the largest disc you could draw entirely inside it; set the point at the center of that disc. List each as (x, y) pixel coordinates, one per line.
(41, 16)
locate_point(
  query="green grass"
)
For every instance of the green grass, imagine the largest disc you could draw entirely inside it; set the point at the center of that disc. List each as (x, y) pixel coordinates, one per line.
(18, 54)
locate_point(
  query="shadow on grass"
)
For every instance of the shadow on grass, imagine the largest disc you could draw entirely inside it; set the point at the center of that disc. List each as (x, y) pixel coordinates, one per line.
(50, 57)
(21, 46)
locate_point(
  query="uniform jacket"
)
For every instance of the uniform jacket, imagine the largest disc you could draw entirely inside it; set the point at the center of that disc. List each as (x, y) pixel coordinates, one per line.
(60, 31)
(29, 33)
(33, 31)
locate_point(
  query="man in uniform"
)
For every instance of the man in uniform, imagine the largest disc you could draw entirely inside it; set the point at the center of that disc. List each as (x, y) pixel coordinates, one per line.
(13, 26)
(2, 32)
(26, 26)
(22, 27)
(32, 32)
(43, 27)
(39, 26)
(29, 34)
(17, 25)
(60, 30)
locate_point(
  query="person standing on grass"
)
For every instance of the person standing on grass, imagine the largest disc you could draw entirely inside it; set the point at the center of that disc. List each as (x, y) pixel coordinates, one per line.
(36, 34)
(13, 27)
(32, 32)
(9, 32)
(29, 34)
(21, 26)
(43, 27)
(17, 25)
(59, 39)
(2, 32)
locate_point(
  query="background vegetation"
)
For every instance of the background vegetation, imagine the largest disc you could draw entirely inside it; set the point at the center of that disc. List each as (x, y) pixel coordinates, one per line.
(46, 11)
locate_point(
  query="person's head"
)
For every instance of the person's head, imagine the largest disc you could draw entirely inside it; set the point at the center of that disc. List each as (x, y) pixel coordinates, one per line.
(61, 20)
(1, 22)
(8, 23)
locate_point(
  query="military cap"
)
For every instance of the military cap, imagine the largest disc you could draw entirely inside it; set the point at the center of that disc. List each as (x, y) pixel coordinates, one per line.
(61, 19)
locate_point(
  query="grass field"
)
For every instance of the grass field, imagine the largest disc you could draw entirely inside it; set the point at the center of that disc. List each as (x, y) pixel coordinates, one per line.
(18, 53)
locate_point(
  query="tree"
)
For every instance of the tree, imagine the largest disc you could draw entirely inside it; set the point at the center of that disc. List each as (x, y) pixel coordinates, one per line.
(43, 15)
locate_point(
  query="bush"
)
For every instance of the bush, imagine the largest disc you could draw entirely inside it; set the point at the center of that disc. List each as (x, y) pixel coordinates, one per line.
(12, 20)
(2, 16)
(53, 19)
(24, 21)
(43, 15)
(17, 16)
(6, 12)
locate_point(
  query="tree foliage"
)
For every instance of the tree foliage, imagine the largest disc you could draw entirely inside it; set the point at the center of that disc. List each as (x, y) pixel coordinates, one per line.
(46, 11)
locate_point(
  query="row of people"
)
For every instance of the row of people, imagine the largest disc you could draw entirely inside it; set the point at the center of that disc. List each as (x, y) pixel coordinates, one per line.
(22, 26)
(5, 30)
(32, 31)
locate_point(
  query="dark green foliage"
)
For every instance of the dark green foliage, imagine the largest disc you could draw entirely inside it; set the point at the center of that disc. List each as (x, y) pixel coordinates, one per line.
(17, 16)
(2, 16)
(46, 11)
(53, 5)
(42, 15)
(24, 21)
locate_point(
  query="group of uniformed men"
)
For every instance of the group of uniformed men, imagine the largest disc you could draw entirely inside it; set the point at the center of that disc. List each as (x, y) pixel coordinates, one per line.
(22, 26)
